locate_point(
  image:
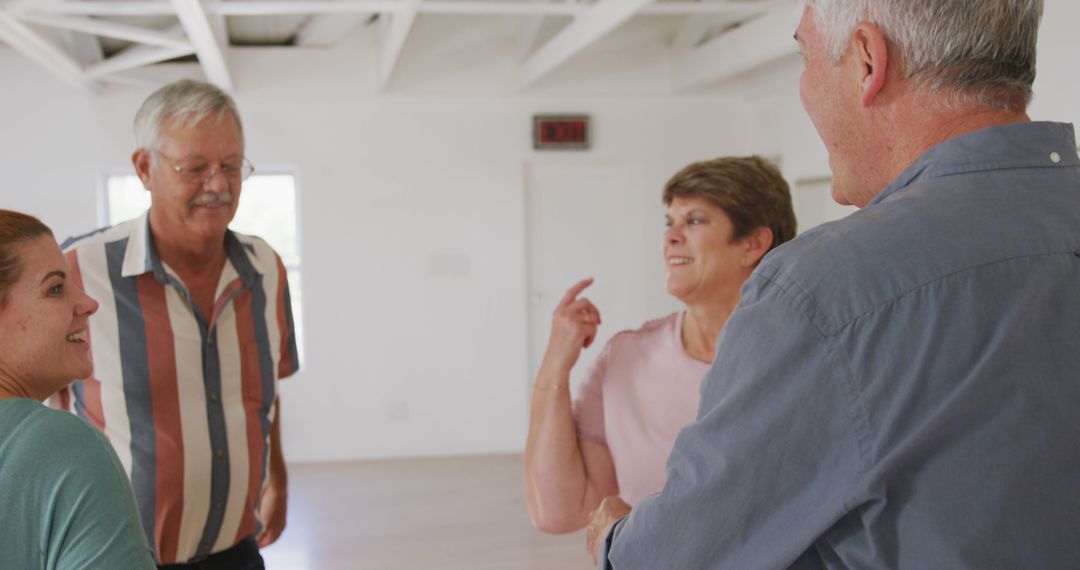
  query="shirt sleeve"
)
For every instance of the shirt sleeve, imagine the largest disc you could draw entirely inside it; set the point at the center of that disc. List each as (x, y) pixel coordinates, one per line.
(766, 468)
(94, 521)
(289, 362)
(589, 406)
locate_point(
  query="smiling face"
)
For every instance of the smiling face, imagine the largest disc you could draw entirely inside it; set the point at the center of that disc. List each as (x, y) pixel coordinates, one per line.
(44, 324)
(701, 256)
(194, 178)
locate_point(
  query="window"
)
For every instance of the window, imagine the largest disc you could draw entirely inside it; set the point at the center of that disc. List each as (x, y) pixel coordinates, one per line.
(267, 209)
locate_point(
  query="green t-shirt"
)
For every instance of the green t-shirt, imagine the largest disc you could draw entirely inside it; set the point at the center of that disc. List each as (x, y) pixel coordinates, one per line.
(65, 501)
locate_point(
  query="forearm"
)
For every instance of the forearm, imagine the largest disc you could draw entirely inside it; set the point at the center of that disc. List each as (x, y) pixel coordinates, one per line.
(273, 504)
(555, 475)
(278, 480)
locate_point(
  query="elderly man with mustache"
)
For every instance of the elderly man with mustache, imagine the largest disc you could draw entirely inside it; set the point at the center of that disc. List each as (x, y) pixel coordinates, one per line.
(194, 331)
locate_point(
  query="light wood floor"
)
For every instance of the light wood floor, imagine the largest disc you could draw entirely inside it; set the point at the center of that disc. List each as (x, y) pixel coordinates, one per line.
(444, 514)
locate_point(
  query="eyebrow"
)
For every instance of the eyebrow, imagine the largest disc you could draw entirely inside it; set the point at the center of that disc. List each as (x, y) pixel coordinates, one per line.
(55, 272)
(691, 212)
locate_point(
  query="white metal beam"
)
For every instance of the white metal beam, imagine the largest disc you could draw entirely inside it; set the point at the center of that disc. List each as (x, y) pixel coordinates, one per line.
(84, 48)
(690, 33)
(577, 9)
(603, 17)
(528, 36)
(733, 7)
(394, 41)
(220, 29)
(29, 43)
(751, 45)
(194, 19)
(327, 30)
(136, 56)
(285, 7)
(106, 28)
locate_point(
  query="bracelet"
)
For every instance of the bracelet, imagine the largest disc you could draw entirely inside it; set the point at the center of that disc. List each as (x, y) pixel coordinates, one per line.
(554, 388)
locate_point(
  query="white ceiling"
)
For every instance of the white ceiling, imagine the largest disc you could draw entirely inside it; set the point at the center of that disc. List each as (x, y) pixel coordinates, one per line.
(89, 42)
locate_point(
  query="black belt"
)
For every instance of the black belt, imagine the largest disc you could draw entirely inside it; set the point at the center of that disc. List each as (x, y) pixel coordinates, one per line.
(238, 556)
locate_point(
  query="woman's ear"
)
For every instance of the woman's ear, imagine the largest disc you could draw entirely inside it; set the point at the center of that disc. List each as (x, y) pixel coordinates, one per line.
(757, 245)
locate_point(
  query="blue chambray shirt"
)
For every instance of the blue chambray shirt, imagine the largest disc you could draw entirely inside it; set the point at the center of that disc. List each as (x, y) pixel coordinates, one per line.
(898, 389)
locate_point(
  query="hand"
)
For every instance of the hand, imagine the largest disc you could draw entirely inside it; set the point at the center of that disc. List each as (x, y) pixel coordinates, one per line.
(609, 512)
(272, 508)
(573, 327)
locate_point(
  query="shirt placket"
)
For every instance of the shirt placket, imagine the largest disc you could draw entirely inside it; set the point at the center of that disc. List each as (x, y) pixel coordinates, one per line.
(215, 411)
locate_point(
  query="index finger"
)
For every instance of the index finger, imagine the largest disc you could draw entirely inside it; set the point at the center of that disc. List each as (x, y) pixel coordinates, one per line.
(576, 290)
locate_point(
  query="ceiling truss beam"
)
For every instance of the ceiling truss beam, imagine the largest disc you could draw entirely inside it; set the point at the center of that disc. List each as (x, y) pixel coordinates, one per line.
(394, 41)
(136, 56)
(293, 7)
(107, 29)
(598, 21)
(327, 30)
(751, 45)
(29, 43)
(197, 25)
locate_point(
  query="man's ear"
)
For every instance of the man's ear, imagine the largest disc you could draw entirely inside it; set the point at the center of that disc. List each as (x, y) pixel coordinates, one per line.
(140, 159)
(757, 244)
(870, 51)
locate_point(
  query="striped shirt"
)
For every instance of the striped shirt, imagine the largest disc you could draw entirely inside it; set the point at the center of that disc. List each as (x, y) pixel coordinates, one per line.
(186, 401)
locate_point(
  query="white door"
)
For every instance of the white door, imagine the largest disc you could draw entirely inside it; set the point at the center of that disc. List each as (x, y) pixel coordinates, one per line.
(591, 220)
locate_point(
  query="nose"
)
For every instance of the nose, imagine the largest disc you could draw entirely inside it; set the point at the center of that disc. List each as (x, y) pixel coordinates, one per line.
(216, 181)
(673, 235)
(86, 306)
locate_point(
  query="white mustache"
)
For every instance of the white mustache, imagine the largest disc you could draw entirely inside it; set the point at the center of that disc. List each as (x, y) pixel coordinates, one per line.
(212, 199)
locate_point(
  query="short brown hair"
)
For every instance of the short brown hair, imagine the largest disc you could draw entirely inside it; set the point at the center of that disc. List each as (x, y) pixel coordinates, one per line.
(749, 189)
(15, 228)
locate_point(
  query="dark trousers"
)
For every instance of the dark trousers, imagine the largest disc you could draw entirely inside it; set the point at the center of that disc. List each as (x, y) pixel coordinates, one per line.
(243, 556)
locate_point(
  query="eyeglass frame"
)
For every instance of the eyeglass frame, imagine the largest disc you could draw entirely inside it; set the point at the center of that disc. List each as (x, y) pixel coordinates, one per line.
(194, 177)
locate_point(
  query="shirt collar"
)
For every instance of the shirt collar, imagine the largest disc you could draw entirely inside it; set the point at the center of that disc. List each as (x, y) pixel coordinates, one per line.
(1017, 145)
(141, 256)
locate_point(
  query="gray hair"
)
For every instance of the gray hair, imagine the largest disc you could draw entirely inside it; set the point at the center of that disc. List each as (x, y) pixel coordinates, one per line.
(186, 101)
(983, 51)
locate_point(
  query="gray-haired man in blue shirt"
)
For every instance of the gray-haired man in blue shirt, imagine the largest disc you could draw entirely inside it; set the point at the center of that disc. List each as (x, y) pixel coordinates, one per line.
(901, 388)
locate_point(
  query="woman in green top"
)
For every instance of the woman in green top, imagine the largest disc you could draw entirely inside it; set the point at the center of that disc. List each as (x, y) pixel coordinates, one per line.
(64, 498)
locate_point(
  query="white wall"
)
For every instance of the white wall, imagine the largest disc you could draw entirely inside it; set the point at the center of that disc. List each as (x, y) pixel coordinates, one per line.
(1057, 85)
(399, 362)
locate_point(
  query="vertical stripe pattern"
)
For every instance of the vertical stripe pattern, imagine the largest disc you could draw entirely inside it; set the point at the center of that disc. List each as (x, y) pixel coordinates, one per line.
(165, 404)
(232, 398)
(135, 373)
(187, 400)
(100, 399)
(195, 430)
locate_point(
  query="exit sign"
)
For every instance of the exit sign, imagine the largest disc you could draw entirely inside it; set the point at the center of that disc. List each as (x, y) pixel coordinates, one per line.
(560, 131)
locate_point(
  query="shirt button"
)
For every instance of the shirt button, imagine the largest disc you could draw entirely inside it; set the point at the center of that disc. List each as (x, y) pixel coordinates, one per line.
(213, 397)
(217, 506)
(1055, 157)
(220, 453)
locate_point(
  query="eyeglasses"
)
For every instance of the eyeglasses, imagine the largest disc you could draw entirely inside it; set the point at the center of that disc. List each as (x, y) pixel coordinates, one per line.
(202, 172)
